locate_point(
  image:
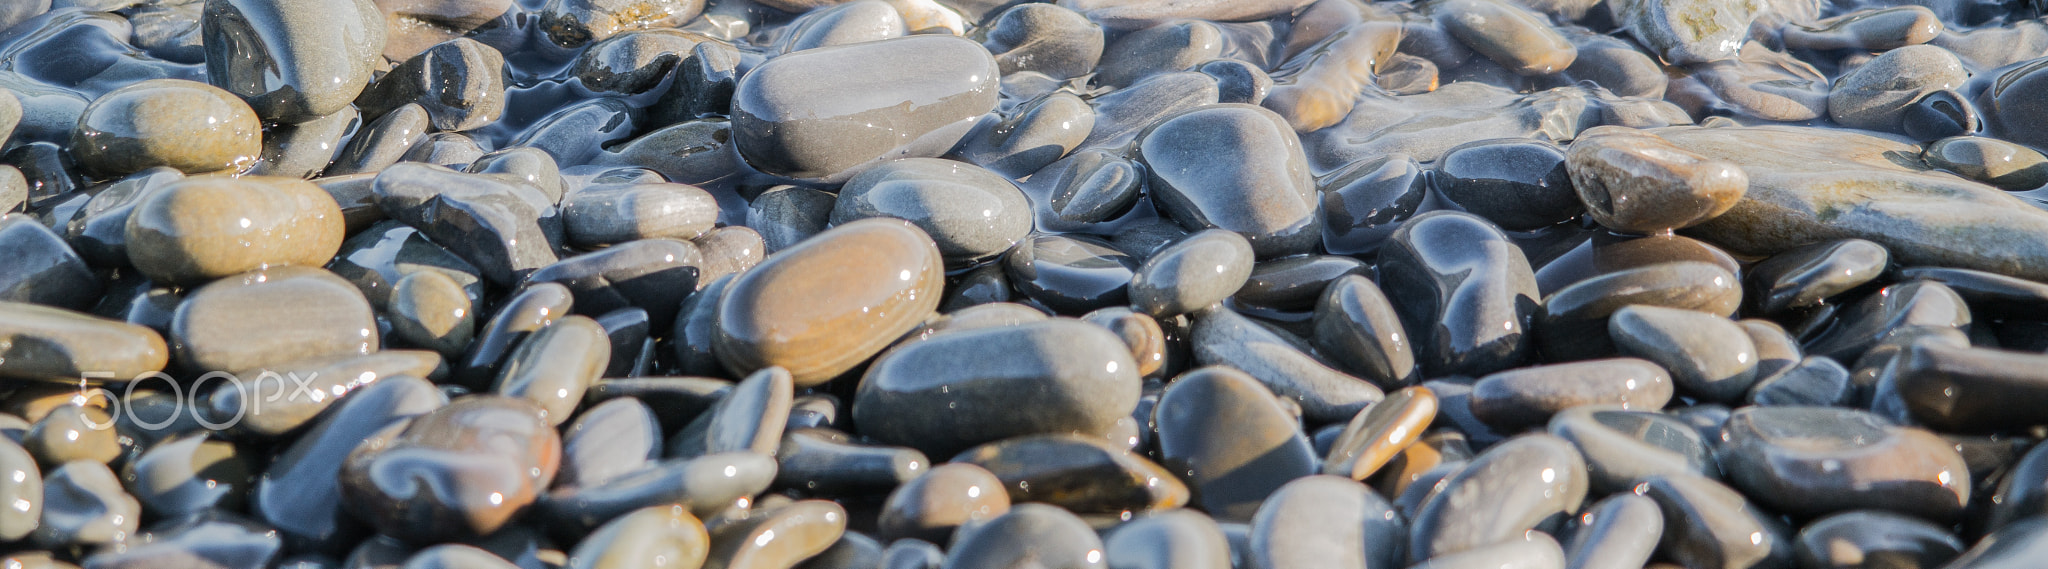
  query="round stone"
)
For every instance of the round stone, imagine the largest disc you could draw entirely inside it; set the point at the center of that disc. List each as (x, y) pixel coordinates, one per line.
(187, 125)
(822, 307)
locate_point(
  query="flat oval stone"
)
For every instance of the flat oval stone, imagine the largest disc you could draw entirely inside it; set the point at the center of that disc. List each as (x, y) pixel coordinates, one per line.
(970, 212)
(1816, 460)
(1870, 538)
(1381, 432)
(704, 485)
(187, 125)
(227, 324)
(1177, 538)
(1707, 524)
(1874, 30)
(293, 61)
(886, 280)
(1295, 283)
(1234, 167)
(56, 344)
(1506, 491)
(1029, 533)
(200, 229)
(848, 23)
(1071, 274)
(1574, 319)
(1707, 355)
(791, 116)
(1637, 182)
(958, 390)
(1326, 521)
(1030, 136)
(821, 461)
(1506, 33)
(84, 505)
(2008, 166)
(1230, 440)
(649, 537)
(1622, 448)
(1456, 276)
(1221, 337)
(553, 366)
(299, 493)
(1200, 270)
(1809, 276)
(932, 506)
(608, 440)
(189, 474)
(460, 471)
(616, 213)
(1619, 532)
(1519, 398)
(779, 537)
(1356, 327)
(1085, 475)
(431, 310)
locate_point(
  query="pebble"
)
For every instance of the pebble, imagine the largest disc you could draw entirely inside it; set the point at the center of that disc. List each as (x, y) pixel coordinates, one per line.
(1366, 201)
(1044, 38)
(1032, 136)
(1326, 521)
(634, 62)
(1707, 355)
(888, 281)
(651, 274)
(1571, 323)
(1282, 363)
(1080, 474)
(652, 536)
(573, 23)
(1891, 311)
(2008, 166)
(1080, 377)
(821, 461)
(1533, 550)
(461, 471)
(1618, 532)
(21, 484)
(932, 506)
(433, 311)
(1960, 388)
(299, 493)
(1761, 83)
(969, 212)
(1166, 539)
(1198, 271)
(1707, 524)
(789, 120)
(749, 418)
(553, 366)
(1381, 432)
(1515, 399)
(1028, 533)
(778, 537)
(1168, 47)
(501, 228)
(1141, 333)
(1814, 381)
(1802, 460)
(1456, 276)
(84, 505)
(1519, 185)
(45, 270)
(1234, 167)
(199, 229)
(1864, 538)
(1295, 283)
(1503, 493)
(460, 83)
(1687, 31)
(1515, 38)
(292, 60)
(1807, 277)
(704, 485)
(74, 433)
(1070, 274)
(187, 125)
(1874, 30)
(1874, 95)
(1638, 183)
(1230, 440)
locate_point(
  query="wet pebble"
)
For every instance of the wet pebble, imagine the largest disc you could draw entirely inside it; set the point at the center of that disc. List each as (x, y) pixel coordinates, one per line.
(1230, 440)
(1636, 182)
(460, 471)
(199, 229)
(969, 212)
(1081, 474)
(187, 125)
(887, 282)
(1708, 356)
(1514, 399)
(1801, 460)
(1234, 167)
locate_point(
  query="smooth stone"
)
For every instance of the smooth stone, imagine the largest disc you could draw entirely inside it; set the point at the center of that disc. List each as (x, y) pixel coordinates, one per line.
(932, 506)
(853, 550)
(675, 400)
(356, 195)
(13, 189)
(1789, 186)
(634, 62)
(573, 23)
(1814, 381)
(610, 214)
(1033, 135)
(282, 398)
(1574, 319)
(187, 125)
(1889, 313)
(299, 493)
(658, 536)
(815, 411)
(749, 418)
(199, 229)
(226, 325)
(1707, 355)
(1282, 363)
(1131, 14)
(1380, 433)
(789, 117)
(1457, 276)
(1357, 328)
(2011, 547)
(1870, 538)
(1177, 538)
(703, 84)
(1028, 534)
(1045, 38)
(1084, 475)
(292, 60)
(1941, 114)
(1198, 271)
(461, 471)
(499, 227)
(886, 280)
(1071, 274)
(1776, 349)
(608, 440)
(820, 461)
(1809, 276)
(703, 485)
(729, 250)
(1519, 185)
(1761, 83)
(629, 333)
(84, 505)
(1687, 31)
(1141, 333)
(1616, 64)
(1122, 115)
(74, 433)
(1513, 487)
(415, 25)
(912, 554)
(1533, 550)
(651, 274)
(780, 537)
(578, 134)
(1809, 461)
(969, 212)
(1326, 521)
(432, 311)
(1366, 201)
(303, 150)
(1093, 186)
(1707, 524)
(523, 164)
(553, 366)
(1234, 167)
(786, 215)
(695, 328)
(1638, 183)
(455, 556)
(1431, 458)
(852, 22)
(210, 539)
(1168, 47)
(21, 484)
(1230, 440)
(460, 83)
(382, 142)
(1080, 376)
(1874, 95)
(1874, 30)
(1516, 399)
(1295, 283)
(1504, 32)
(1618, 532)
(1331, 59)
(2008, 166)
(1959, 388)
(1990, 293)
(44, 270)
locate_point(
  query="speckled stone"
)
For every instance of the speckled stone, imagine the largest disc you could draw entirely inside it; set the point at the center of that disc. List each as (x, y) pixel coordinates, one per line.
(187, 125)
(200, 229)
(887, 280)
